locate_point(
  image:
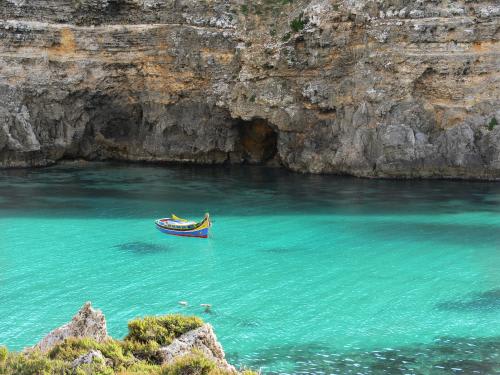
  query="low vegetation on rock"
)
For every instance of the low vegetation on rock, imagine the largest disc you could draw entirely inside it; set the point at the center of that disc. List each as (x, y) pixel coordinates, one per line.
(298, 23)
(493, 123)
(138, 353)
(196, 363)
(162, 330)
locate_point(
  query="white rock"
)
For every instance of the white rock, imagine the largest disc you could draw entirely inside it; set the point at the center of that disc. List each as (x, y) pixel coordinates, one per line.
(86, 323)
(202, 339)
(88, 358)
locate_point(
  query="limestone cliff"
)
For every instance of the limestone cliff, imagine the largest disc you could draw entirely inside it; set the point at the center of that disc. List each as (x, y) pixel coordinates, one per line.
(386, 88)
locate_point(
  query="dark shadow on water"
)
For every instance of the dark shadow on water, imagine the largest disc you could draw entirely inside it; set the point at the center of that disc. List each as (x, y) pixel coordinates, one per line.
(488, 301)
(447, 233)
(140, 247)
(268, 357)
(100, 188)
(444, 356)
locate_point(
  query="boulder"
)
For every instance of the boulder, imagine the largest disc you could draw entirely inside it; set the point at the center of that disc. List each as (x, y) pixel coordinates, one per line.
(202, 339)
(87, 322)
(88, 358)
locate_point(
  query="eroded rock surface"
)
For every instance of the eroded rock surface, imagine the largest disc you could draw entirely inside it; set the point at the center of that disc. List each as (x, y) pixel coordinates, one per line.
(88, 322)
(91, 356)
(392, 88)
(201, 339)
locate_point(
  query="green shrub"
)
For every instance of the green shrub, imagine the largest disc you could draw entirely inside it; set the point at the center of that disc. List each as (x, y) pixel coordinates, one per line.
(161, 329)
(94, 368)
(146, 335)
(192, 364)
(73, 348)
(3, 354)
(196, 364)
(298, 23)
(33, 363)
(244, 9)
(286, 37)
(144, 351)
(141, 368)
(493, 123)
(114, 351)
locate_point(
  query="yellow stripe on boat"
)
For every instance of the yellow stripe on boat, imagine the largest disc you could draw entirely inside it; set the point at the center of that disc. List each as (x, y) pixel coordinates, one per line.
(178, 218)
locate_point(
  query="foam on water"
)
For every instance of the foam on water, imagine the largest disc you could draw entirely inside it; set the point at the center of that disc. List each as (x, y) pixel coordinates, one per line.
(305, 274)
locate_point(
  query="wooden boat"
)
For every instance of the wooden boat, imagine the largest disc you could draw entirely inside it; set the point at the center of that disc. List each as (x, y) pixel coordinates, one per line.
(181, 227)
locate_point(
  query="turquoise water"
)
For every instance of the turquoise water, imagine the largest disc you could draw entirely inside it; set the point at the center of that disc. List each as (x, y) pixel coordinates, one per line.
(306, 274)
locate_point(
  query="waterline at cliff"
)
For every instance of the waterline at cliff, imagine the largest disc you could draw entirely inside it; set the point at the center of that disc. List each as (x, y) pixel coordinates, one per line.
(330, 273)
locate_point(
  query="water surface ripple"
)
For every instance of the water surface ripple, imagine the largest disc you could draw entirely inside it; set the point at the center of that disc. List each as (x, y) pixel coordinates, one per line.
(306, 274)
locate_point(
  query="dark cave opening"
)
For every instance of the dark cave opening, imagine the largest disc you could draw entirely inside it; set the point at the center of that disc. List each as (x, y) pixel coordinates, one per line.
(258, 141)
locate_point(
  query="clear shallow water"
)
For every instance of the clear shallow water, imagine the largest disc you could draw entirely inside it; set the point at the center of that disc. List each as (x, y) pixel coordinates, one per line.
(306, 274)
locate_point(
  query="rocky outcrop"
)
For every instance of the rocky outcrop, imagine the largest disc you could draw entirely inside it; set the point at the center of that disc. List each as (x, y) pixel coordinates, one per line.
(392, 88)
(87, 322)
(91, 356)
(202, 339)
(90, 323)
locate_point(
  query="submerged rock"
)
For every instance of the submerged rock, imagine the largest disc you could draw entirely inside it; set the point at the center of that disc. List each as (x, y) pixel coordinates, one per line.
(202, 339)
(88, 322)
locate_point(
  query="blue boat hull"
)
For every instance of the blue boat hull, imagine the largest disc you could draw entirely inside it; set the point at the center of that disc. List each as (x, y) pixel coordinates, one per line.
(203, 233)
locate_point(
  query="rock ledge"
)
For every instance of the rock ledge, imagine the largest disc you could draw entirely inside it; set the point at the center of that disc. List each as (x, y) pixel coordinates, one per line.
(88, 322)
(202, 339)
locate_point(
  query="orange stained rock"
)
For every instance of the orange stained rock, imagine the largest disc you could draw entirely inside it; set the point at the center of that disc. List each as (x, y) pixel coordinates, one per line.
(221, 57)
(485, 46)
(67, 43)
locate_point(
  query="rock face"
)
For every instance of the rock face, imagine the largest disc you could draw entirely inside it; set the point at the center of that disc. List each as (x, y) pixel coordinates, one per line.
(202, 339)
(86, 323)
(392, 88)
